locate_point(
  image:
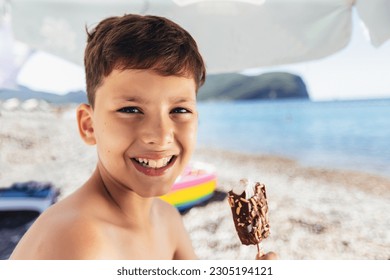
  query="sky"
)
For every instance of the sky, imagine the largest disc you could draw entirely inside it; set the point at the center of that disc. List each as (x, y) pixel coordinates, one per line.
(359, 71)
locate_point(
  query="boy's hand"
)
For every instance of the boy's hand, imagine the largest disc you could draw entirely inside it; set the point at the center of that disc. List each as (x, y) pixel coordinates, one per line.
(268, 256)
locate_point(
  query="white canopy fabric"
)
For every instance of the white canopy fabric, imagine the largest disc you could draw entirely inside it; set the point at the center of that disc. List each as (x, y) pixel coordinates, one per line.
(232, 35)
(7, 63)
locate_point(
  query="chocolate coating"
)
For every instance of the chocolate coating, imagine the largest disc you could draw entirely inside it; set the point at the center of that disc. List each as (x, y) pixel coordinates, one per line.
(250, 215)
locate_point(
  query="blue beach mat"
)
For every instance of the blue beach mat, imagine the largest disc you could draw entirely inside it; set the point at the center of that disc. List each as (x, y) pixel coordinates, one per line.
(32, 195)
(20, 205)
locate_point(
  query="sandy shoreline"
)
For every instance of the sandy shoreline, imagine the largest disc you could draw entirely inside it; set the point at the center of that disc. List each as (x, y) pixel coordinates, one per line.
(314, 213)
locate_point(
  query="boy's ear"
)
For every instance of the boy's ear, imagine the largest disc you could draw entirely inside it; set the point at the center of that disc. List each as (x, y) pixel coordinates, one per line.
(85, 123)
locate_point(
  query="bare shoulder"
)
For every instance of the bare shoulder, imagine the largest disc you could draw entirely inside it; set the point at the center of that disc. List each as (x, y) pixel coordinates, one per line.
(169, 215)
(61, 233)
(168, 211)
(182, 242)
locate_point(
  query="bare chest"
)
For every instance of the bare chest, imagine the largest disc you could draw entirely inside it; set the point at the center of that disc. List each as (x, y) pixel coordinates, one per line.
(139, 244)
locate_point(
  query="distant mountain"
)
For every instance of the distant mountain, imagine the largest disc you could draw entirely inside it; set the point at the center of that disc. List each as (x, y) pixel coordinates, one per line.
(23, 93)
(275, 85)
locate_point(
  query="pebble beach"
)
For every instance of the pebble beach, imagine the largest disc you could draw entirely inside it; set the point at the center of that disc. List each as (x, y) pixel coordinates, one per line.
(315, 213)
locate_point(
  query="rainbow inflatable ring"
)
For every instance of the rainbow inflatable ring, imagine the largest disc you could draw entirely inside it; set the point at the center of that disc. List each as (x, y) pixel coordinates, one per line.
(195, 185)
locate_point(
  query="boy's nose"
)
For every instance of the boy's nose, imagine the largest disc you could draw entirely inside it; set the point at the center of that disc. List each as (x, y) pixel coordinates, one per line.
(157, 131)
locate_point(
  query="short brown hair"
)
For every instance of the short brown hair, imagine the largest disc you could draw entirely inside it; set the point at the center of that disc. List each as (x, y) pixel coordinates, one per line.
(140, 42)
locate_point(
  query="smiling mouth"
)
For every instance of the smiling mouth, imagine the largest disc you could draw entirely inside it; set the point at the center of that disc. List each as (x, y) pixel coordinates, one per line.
(154, 163)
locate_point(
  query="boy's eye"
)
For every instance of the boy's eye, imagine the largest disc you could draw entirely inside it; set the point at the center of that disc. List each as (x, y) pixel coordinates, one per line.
(180, 111)
(129, 110)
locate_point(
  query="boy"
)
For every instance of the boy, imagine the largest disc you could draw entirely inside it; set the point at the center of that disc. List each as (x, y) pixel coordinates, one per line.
(142, 73)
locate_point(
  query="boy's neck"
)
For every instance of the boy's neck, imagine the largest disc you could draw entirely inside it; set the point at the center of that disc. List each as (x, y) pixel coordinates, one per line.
(134, 208)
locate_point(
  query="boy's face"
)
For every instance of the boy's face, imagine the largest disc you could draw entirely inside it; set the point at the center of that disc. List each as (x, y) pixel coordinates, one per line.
(145, 128)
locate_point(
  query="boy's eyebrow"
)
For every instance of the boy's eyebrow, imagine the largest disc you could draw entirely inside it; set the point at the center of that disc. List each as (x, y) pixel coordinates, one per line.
(134, 99)
(183, 100)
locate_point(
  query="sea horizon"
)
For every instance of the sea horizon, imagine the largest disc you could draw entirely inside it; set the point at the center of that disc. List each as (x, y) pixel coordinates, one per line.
(344, 134)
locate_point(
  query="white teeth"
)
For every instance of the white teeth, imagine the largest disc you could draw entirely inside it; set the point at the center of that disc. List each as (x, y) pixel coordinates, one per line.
(151, 163)
(160, 162)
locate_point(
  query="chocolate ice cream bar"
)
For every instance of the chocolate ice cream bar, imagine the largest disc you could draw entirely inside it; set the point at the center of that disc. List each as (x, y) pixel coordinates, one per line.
(250, 214)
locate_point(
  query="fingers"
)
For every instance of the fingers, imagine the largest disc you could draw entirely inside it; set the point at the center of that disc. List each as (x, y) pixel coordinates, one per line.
(268, 256)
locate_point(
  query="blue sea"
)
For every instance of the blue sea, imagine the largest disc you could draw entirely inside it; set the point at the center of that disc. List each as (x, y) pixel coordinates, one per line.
(347, 135)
